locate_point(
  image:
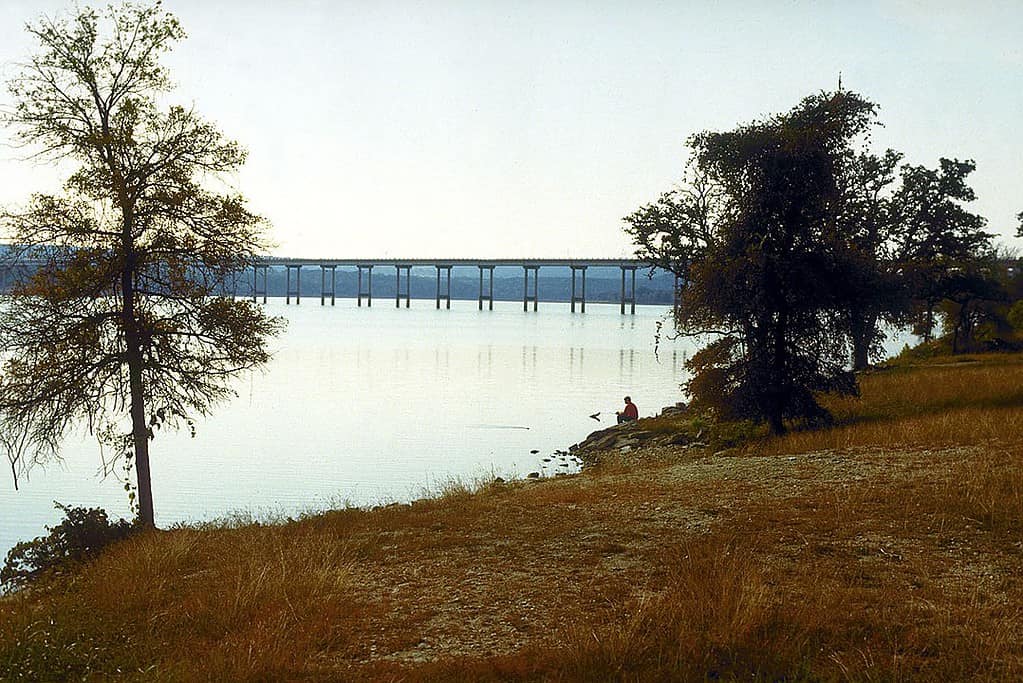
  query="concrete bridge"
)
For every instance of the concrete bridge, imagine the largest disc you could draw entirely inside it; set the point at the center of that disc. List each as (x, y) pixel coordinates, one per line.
(403, 270)
(402, 274)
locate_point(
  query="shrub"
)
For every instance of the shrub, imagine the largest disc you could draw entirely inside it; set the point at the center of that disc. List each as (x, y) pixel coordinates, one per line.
(82, 534)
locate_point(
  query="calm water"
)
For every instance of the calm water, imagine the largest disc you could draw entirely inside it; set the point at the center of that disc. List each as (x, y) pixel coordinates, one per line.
(369, 405)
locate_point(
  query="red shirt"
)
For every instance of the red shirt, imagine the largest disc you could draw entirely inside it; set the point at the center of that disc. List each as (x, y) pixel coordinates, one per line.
(631, 411)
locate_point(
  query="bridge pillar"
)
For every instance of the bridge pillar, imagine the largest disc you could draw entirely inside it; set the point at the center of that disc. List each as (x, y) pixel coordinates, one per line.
(447, 294)
(323, 282)
(398, 295)
(369, 281)
(489, 296)
(298, 291)
(256, 291)
(632, 298)
(526, 296)
(581, 299)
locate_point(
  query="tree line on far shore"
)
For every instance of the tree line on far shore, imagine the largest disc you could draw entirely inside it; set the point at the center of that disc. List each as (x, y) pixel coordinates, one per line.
(798, 245)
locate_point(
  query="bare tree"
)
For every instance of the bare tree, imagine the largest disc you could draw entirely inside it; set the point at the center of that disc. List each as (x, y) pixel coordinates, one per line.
(124, 323)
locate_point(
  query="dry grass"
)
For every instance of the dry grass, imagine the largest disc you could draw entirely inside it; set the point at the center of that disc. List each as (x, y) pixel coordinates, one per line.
(235, 604)
(929, 406)
(887, 548)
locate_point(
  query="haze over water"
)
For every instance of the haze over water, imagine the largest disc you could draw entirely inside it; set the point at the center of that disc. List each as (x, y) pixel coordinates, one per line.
(371, 405)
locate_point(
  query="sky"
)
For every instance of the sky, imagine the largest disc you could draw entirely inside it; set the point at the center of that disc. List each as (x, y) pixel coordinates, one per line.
(499, 129)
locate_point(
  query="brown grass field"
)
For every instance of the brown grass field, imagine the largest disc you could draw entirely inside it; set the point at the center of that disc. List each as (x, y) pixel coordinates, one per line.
(888, 547)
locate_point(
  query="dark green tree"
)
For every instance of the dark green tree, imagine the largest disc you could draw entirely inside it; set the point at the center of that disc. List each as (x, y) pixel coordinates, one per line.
(978, 313)
(938, 240)
(122, 328)
(764, 268)
(972, 298)
(865, 224)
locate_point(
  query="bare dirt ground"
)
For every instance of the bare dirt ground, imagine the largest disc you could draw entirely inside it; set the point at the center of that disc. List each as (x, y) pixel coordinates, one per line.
(534, 564)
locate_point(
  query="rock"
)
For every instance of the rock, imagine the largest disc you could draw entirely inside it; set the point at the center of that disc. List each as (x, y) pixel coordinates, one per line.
(498, 480)
(533, 475)
(603, 439)
(677, 409)
(625, 449)
(533, 452)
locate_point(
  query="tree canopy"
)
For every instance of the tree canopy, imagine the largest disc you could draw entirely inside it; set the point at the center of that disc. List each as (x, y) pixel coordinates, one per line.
(123, 327)
(793, 242)
(939, 239)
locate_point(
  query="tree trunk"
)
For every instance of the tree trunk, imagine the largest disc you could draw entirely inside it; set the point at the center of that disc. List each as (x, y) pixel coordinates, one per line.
(861, 355)
(780, 389)
(929, 323)
(861, 333)
(968, 326)
(140, 436)
(962, 330)
(133, 353)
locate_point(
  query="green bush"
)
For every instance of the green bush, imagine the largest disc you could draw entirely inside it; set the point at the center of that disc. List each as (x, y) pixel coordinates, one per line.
(81, 535)
(1015, 316)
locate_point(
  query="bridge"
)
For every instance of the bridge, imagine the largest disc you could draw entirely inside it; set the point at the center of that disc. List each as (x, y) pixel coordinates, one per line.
(402, 274)
(403, 271)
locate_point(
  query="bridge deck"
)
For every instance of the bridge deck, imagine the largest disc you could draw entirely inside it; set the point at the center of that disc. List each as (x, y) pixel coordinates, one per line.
(444, 262)
(261, 265)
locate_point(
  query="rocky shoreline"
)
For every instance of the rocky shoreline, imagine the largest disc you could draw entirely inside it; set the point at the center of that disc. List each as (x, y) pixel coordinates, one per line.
(629, 436)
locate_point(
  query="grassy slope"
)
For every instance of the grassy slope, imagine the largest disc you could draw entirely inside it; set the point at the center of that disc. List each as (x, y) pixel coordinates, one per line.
(888, 547)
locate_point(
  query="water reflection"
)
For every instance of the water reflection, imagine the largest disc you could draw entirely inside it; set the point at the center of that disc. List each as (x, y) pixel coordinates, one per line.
(371, 405)
(441, 362)
(626, 364)
(529, 361)
(576, 357)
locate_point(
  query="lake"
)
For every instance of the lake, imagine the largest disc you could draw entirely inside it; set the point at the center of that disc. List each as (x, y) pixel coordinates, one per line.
(362, 406)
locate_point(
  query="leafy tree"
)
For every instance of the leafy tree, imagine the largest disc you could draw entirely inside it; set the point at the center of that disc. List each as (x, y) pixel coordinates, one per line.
(972, 298)
(865, 224)
(981, 310)
(753, 234)
(677, 229)
(938, 238)
(122, 324)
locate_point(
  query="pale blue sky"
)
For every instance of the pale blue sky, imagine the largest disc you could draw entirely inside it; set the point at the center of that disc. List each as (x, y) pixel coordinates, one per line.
(480, 128)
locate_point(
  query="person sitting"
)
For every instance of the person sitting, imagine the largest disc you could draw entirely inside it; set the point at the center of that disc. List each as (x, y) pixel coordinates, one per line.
(629, 413)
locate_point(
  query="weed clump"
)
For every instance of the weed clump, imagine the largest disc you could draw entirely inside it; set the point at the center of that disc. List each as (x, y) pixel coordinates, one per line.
(82, 534)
